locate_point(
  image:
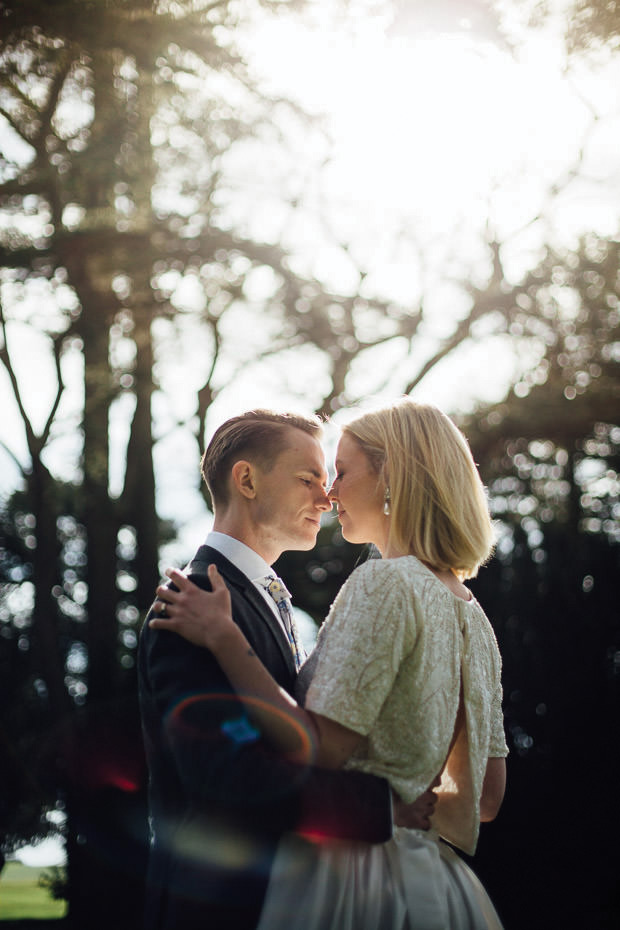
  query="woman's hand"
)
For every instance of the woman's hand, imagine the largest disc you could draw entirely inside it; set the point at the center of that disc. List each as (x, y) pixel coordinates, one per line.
(202, 617)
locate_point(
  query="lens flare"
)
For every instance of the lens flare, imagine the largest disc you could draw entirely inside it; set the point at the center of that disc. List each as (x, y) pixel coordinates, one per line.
(208, 714)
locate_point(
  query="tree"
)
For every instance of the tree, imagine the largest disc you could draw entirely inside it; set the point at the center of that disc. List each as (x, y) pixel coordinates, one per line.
(81, 87)
(550, 454)
(570, 316)
(589, 23)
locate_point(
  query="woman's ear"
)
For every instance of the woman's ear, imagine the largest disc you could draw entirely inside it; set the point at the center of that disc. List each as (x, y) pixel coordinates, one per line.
(243, 479)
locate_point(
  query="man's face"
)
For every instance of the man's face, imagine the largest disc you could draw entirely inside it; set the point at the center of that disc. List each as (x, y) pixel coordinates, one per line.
(291, 496)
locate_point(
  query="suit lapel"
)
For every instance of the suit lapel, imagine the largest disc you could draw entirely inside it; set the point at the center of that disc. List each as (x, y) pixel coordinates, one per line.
(234, 577)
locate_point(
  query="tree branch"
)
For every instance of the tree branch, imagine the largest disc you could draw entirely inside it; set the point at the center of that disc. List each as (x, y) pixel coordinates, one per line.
(60, 386)
(14, 458)
(5, 358)
(14, 125)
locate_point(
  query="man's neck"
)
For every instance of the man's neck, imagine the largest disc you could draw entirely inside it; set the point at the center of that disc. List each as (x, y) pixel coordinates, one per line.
(245, 534)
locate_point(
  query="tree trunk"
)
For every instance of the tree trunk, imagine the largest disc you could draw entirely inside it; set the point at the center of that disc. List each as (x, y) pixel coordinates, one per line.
(45, 563)
(138, 501)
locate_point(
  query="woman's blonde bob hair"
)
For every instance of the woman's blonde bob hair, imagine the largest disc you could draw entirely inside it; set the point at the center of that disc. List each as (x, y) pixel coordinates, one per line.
(438, 505)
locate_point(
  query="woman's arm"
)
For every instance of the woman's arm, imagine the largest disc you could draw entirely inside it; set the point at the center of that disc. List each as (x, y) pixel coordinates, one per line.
(493, 789)
(205, 619)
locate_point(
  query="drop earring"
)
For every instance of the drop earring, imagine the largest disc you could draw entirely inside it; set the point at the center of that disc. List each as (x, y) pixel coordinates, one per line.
(386, 502)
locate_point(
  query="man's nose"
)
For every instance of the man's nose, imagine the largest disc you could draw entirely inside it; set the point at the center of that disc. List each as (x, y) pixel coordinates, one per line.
(323, 502)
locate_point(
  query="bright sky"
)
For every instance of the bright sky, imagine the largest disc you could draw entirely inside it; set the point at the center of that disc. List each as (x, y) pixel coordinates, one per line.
(435, 128)
(434, 137)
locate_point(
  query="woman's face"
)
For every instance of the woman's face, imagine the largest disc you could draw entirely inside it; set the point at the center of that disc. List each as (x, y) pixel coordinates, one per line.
(358, 493)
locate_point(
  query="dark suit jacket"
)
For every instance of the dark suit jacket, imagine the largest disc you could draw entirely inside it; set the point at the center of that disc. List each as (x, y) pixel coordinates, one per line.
(219, 796)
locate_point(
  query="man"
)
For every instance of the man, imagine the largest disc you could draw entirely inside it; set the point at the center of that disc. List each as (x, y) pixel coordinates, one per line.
(220, 797)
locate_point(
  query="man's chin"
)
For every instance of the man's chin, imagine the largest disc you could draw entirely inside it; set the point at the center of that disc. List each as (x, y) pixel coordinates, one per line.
(304, 544)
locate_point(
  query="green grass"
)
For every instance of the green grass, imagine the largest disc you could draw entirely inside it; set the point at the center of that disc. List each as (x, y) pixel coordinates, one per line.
(21, 897)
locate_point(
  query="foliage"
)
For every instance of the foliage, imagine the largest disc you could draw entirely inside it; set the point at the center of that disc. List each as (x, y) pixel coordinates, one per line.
(550, 454)
(557, 432)
(54, 880)
(551, 598)
(589, 23)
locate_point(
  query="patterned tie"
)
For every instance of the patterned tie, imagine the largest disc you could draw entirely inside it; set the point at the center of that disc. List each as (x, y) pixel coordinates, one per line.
(277, 590)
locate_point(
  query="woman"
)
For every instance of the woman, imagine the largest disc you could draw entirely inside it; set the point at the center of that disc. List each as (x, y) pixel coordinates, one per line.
(404, 682)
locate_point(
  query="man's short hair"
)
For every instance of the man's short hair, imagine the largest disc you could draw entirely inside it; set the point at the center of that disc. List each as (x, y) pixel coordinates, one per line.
(259, 436)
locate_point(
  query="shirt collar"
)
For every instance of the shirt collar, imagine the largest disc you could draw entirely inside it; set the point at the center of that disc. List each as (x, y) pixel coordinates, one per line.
(242, 557)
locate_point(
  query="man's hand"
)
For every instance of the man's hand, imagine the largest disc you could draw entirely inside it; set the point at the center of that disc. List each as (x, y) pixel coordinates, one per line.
(417, 815)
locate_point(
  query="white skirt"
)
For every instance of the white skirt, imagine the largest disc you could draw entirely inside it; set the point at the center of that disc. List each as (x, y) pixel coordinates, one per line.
(413, 882)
